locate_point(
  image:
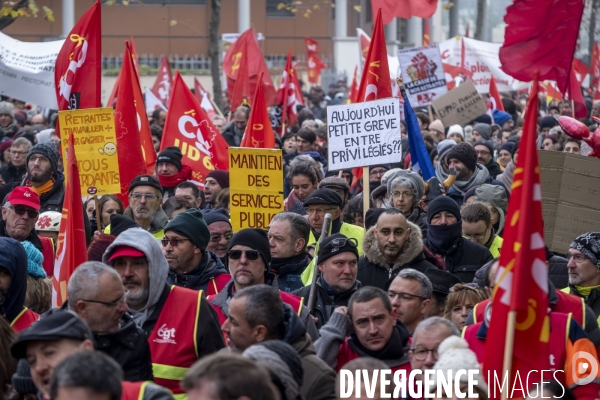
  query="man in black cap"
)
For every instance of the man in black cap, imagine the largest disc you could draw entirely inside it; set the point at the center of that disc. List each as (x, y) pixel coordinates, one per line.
(485, 156)
(249, 264)
(170, 171)
(584, 269)
(441, 282)
(145, 205)
(337, 263)
(338, 185)
(444, 237)
(220, 231)
(190, 264)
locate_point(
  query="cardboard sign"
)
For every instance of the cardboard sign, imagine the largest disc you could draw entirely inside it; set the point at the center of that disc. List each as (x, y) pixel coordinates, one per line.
(460, 105)
(256, 187)
(95, 143)
(364, 134)
(423, 74)
(570, 193)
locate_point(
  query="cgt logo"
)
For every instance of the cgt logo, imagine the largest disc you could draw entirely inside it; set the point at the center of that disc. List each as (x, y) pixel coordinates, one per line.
(584, 368)
(166, 335)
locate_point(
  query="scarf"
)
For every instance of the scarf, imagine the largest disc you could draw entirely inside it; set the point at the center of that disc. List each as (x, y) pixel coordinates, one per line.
(331, 291)
(173, 180)
(42, 190)
(444, 236)
(480, 176)
(586, 290)
(392, 351)
(440, 173)
(278, 264)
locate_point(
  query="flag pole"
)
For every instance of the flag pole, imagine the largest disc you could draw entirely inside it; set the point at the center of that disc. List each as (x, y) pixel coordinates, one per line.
(508, 349)
(282, 128)
(98, 216)
(366, 190)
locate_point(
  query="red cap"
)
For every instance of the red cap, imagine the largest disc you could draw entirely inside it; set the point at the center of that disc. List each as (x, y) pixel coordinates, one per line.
(24, 196)
(125, 251)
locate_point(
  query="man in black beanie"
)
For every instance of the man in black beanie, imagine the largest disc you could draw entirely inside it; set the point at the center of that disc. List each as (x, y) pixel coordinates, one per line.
(444, 237)
(170, 171)
(249, 258)
(469, 173)
(190, 264)
(221, 232)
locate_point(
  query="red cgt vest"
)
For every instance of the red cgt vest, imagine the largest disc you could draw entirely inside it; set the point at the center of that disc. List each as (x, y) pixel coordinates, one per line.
(48, 253)
(133, 390)
(217, 284)
(24, 320)
(173, 340)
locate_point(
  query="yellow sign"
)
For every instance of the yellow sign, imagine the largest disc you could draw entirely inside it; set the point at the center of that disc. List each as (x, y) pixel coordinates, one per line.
(95, 142)
(255, 187)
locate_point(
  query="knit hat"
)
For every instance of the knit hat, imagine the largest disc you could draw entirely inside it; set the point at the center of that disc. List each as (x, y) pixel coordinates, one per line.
(22, 381)
(145, 180)
(410, 178)
(455, 129)
(191, 224)
(484, 130)
(7, 108)
(255, 239)
(283, 361)
(385, 166)
(486, 143)
(484, 119)
(216, 215)
(222, 177)
(501, 117)
(465, 153)
(508, 146)
(589, 245)
(171, 155)
(5, 145)
(120, 223)
(334, 182)
(372, 216)
(442, 203)
(437, 125)
(548, 122)
(470, 193)
(35, 258)
(48, 150)
(99, 245)
(444, 147)
(334, 245)
(323, 196)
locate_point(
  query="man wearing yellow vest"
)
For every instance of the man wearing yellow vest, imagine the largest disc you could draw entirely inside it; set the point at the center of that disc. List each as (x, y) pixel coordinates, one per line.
(180, 323)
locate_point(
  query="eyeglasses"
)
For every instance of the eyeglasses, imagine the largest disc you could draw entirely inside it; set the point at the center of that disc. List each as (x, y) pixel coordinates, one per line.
(341, 242)
(477, 236)
(21, 210)
(404, 296)
(111, 304)
(237, 254)
(147, 196)
(579, 258)
(377, 172)
(482, 152)
(21, 153)
(217, 238)
(404, 195)
(421, 354)
(174, 242)
(318, 211)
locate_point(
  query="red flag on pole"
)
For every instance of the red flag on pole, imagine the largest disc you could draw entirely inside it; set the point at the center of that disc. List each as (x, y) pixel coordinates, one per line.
(575, 95)
(539, 44)
(353, 87)
(188, 127)
(595, 71)
(69, 252)
(426, 34)
(259, 133)
(134, 56)
(313, 62)
(164, 81)
(299, 95)
(286, 96)
(129, 146)
(404, 8)
(78, 67)
(494, 101)
(204, 99)
(521, 285)
(241, 89)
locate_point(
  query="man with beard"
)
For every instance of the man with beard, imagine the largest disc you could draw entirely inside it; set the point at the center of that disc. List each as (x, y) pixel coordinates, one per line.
(215, 182)
(145, 200)
(234, 132)
(485, 156)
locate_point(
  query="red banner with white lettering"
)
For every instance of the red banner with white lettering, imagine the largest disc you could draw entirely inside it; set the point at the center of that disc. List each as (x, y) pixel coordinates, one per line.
(164, 81)
(286, 96)
(313, 63)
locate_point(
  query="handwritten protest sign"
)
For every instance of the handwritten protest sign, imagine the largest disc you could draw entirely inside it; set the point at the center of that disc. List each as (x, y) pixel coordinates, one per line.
(256, 186)
(423, 74)
(363, 134)
(95, 143)
(460, 105)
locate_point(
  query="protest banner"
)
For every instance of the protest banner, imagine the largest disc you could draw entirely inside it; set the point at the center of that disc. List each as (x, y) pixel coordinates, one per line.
(423, 74)
(570, 190)
(364, 134)
(27, 70)
(460, 105)
(256, 187)
(95, 142)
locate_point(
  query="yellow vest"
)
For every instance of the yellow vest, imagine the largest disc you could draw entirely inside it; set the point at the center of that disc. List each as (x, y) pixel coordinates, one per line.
(158, 234)
(496, 246)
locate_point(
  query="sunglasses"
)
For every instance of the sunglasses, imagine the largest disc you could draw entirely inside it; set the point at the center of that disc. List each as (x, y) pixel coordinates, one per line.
(250, 254)
(341, 242)
(20, 210)
(174, 242)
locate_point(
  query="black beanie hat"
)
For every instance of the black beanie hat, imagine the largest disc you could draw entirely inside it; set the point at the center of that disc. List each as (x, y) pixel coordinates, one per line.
(222, 177)
(486, 143)
(171, 155)
(465, 153)
(323, 196)
(145, 180)
(327, 249)
(21, 380)
(443, 203)
(191, 224)
(48, 150)
(216, 215)
(120, 223)
(255, 239)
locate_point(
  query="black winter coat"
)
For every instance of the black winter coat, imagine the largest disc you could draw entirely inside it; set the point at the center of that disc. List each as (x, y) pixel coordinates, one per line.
(325, 304)
(11, 174)
(210, 267)
(464, 258)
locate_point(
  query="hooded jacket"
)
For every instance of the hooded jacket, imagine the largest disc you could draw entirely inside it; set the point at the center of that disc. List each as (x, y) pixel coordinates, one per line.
(374, 270)
(14, 259)
(210, 267)
(497, 198)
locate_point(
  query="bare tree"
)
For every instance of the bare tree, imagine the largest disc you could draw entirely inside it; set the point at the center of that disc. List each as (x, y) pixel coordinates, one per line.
(480, 21)
(214, 50)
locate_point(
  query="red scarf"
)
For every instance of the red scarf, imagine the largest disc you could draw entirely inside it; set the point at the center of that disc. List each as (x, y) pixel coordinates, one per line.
(173, 180)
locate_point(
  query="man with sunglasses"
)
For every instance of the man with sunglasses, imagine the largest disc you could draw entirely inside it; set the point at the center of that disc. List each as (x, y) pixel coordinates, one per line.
(477, 227)
(190, 264)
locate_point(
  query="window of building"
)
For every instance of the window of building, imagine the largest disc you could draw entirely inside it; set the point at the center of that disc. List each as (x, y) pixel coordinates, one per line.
(279, 8)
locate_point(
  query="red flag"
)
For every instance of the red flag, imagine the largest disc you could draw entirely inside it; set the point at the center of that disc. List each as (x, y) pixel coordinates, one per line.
(286, 96)
(313, 62)
(575, 95)
(188, 127)
(247, 43)
(69, 253)
(299, 95)
(552, 92)
(404, 8)
(78, 67)
(312, 46)
(134, 56)
(129, 147)
(164, 81)
(426, 34)
(241, 89)
(539, 44)
(259, 133)
(595, 68)
(494, 100)
(204, 99)
(353, 87)
(522, 279)
(364, 41)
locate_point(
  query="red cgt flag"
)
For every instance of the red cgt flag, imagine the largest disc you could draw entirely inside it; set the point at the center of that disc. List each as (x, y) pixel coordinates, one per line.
(313, 62)
(78, 68)
(188, 127)
(522, 279)
(353, 87)
(164, 81)
(259, 133)
(494, 101)
(112, 99)
(129, 146)
(204, 99)
(241, 89)
(541, 36)
(575, 95)
(286, 96)
(69, 253)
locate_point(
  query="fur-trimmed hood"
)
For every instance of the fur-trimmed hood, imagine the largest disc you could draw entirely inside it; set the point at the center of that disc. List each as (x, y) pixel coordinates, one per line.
(412, 248)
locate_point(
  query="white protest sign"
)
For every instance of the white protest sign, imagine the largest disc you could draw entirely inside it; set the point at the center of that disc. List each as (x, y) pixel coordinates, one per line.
(460, 105)
(423, 74)
(27, 70)
(364, 134)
